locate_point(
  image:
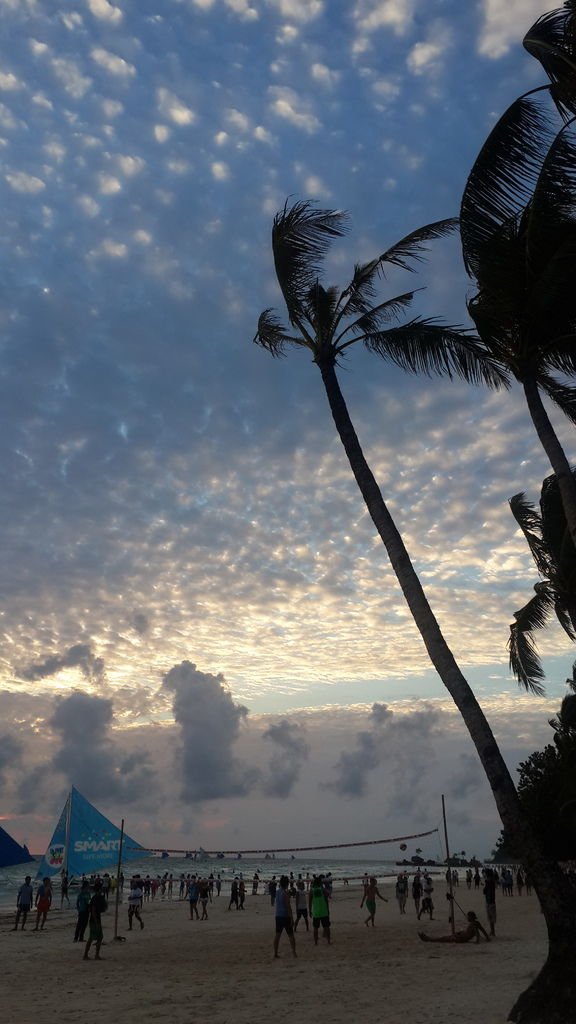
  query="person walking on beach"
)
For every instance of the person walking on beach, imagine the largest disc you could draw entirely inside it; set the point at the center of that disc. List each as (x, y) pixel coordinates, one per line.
(218, 885)
(83, 907)
(204, 890)
(43, 902)
(283, 916)
(402, 892)
(301, 905)
(24, 901)
(319, 909)
(417, 893)
(371, 891)
(64, 890)
(134, 903)
(272, 886)
(96, 934)
(234, 895)
(242, 892)
(473, 930)
(489, 891)
(193, 893)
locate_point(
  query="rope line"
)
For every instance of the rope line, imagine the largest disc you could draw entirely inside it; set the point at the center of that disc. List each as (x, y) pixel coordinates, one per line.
(289, 849)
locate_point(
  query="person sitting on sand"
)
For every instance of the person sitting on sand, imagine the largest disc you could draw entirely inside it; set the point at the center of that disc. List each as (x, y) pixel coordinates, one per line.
(370, 893)
(471, 931)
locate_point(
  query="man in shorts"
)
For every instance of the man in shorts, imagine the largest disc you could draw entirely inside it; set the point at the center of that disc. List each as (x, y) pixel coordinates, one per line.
(283, 915)
(319, 910)
(24, 902)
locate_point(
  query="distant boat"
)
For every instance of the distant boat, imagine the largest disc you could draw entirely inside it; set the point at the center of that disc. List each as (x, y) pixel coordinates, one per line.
(11, 852)
(164, 854)
(84, 842)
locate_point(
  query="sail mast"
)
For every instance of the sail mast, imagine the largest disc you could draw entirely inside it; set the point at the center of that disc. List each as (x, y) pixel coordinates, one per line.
(67, 839)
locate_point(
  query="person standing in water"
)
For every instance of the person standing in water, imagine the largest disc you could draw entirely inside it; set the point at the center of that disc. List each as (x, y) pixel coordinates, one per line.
(371, 891)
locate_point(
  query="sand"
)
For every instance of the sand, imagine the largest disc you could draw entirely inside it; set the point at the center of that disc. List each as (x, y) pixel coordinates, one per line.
(222, 970)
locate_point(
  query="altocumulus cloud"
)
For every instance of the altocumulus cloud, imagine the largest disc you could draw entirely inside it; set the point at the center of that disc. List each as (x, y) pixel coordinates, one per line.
(209, 723)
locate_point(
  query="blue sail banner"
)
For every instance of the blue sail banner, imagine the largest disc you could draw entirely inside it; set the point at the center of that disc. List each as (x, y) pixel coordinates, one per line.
(11, 852)
(85, 842)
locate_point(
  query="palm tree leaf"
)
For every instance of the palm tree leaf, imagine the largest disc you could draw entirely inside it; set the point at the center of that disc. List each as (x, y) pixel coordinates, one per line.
(301, 237)
(524, 659)
(503, 177)
(557, 539)
(272, 334)
(374, 318)
(320, 308)
(563, 395)
(403, 254)
(552, 40)
(530, 522)
(425, 346)
(565, 619)
(552, 212)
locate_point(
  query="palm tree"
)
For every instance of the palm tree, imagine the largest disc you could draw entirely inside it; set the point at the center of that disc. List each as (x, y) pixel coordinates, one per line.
(555, 557)
(326, 323)
(518, 230)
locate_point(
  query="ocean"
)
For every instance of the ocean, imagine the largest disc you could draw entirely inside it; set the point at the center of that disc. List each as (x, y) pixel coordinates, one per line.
(385, 870)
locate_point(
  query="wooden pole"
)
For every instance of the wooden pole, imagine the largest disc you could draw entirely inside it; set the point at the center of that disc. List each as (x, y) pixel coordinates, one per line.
(118, 879)
(452, 921)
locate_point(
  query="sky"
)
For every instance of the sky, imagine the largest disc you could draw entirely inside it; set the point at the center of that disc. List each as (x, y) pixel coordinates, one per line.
(199, 628)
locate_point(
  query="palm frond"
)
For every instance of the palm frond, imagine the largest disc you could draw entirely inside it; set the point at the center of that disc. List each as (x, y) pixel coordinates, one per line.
(408, 251)
(376, 317)
(551, 219)
(563, 395)
(552, 40)
(530, 522)
(565, 619)
(503, 177)
(272, 334)
(301, 237)
(425, 346)
(524, 659)
(320, 306)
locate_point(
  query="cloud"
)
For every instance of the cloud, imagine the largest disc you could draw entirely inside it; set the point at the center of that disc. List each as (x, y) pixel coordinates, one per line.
(10, 754)
(504, 24)
(210, 724)
(285, 766)
(399, 740)
(429, 56)
(289, 106)
(140, 623)
(105, 11)
(79, 656)
(87, 755)
(466, 776)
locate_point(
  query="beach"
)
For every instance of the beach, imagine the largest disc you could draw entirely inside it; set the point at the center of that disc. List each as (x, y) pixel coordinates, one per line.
(222, 970)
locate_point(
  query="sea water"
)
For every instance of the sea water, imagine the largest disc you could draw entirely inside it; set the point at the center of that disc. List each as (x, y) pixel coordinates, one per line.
(385, 871)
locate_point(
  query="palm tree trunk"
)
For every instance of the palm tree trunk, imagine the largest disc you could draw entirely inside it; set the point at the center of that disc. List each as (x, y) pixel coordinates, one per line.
(555, 453)
(557, 898)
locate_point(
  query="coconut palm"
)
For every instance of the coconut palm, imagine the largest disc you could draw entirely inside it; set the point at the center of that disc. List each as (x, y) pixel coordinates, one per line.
(555, 594)
(518, 230)
(552, 40)
(327, 322)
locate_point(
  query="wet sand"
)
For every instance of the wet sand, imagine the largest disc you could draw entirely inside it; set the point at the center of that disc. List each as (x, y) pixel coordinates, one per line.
(222, 970)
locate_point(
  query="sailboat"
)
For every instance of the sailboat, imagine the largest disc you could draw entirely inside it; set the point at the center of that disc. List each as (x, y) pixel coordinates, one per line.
(84, 842)
(11, 852)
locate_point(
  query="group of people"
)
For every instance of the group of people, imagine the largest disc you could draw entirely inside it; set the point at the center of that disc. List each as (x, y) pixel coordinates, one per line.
(312, 903)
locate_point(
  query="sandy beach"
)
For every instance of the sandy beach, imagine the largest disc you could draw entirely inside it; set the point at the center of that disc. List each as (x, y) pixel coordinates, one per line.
(222, 970)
